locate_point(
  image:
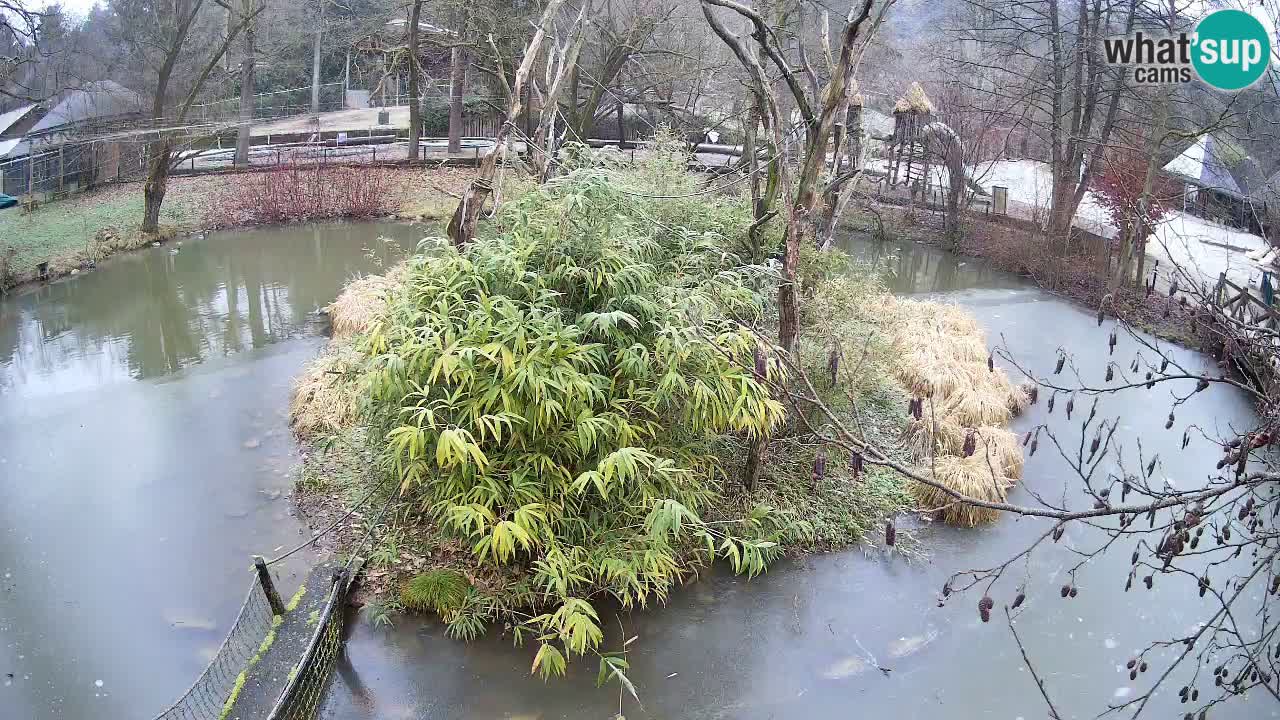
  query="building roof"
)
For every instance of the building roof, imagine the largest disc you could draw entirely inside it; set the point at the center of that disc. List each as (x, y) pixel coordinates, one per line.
(1202, 164)
(8, 119)
(7, 146)
(101, 99)
(914, 101)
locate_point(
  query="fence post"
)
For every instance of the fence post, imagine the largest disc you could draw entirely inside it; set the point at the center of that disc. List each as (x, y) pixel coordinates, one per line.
(268, 587)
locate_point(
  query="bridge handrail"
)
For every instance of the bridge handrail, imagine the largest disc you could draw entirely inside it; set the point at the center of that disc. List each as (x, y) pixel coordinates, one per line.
(205, 699)
(304, 693)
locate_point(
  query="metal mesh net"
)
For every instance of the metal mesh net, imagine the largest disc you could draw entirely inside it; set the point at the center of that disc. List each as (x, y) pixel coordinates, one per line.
(56, 170)
(206, 697)
(303, 696)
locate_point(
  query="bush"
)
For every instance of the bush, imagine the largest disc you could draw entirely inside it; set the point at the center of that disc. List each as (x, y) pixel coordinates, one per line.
(441, 591)
(555, 395)
(295, 193)
(7, 255)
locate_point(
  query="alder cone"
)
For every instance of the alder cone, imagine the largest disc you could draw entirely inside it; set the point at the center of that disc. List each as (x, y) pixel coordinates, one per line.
(984, 608)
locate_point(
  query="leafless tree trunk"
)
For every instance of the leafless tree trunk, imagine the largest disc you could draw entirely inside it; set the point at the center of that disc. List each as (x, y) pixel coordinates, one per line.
(801, 199)
(462, 227)
(315, 62)
(415, 106)
(1133, 236)
(246, 88)
(563, 61)
(457, 83)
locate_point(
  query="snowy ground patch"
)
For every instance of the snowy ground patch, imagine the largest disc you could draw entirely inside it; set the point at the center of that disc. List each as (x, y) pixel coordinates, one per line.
(1193, 243)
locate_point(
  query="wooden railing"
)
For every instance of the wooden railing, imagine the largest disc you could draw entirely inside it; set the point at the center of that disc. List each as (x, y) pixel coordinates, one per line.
(1242, 305)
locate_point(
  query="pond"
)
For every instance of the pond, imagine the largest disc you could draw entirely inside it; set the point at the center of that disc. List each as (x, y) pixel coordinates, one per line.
(145, 454)
(805, 639)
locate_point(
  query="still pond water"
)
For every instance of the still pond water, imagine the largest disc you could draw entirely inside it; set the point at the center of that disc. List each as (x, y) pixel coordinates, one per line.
(145, 455)
(144, 452)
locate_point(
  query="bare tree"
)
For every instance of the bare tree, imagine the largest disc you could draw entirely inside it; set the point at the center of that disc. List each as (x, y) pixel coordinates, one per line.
(801, 195)
(315, 58)
(620, 34)
(19, 48)
(1042, 60)
(415, 102)
(561, 62)
(462, 226)
(160, 35)
(457, 89)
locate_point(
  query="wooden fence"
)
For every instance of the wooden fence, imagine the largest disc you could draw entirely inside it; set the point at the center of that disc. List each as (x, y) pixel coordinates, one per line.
(1241, 305)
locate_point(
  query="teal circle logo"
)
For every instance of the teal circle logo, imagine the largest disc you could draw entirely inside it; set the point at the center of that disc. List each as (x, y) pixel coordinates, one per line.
(1232, 49)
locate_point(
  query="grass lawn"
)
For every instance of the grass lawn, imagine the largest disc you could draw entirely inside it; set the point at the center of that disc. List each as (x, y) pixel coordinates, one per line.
(62, 233)
(62, 229)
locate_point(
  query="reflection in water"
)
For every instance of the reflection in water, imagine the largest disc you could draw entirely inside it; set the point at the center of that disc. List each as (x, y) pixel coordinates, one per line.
(153, 313)
(804, 640)
(145, 454)
(911, 268)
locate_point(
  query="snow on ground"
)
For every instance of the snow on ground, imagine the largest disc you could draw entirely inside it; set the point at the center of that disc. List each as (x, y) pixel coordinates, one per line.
(1212, 249)
(1030, 184)
(1188, 241)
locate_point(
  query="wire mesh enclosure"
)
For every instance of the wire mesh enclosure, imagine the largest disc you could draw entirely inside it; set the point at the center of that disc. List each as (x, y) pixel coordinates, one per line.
(269, 105)
(205, 698)
(59, 170)
(304, 694)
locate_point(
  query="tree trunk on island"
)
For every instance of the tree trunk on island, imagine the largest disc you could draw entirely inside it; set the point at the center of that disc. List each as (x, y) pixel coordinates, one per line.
(153, 190)
(462, 227)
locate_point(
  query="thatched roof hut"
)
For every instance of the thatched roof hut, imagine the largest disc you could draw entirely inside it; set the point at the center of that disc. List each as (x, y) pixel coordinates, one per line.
(915, 101)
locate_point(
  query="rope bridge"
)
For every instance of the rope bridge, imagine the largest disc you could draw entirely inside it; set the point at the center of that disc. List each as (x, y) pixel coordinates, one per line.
(304, 694)
(215, 694)
(207, 696)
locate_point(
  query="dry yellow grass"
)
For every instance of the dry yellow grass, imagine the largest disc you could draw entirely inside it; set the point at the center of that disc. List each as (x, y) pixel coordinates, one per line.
(361, 304)
(942, 356)
(947, 437)
(323, 400)
(976, 476)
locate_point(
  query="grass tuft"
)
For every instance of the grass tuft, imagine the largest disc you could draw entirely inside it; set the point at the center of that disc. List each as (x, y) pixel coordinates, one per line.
(440, 591)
